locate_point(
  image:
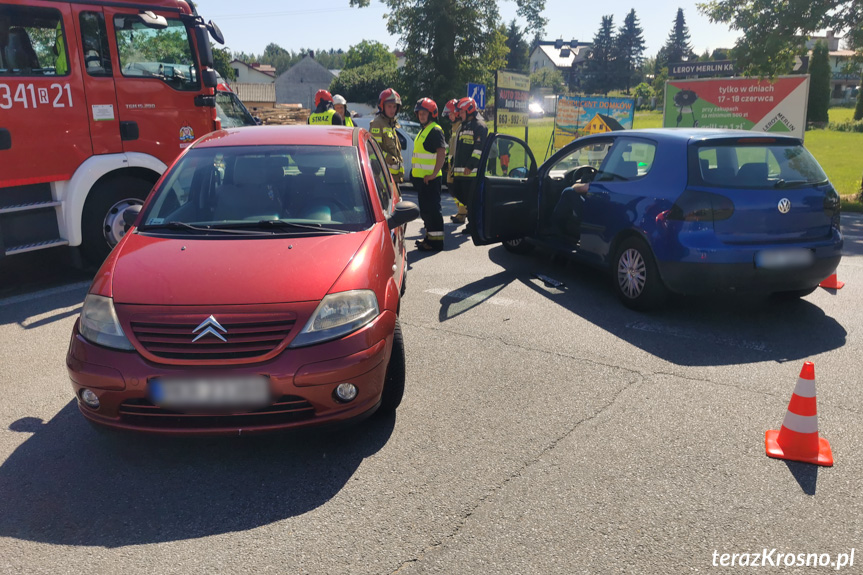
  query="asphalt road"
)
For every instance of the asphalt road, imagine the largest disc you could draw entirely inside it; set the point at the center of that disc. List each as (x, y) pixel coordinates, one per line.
(544, 430)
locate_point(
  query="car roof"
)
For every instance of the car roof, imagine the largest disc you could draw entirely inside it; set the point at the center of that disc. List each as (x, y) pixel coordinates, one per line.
(303, 135)
(698, 134)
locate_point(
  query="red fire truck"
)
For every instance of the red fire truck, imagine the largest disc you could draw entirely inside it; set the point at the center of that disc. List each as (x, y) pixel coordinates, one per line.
(97, 98)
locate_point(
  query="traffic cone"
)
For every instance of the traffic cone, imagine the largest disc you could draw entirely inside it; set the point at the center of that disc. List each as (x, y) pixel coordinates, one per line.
(798, 439)
(832, 283)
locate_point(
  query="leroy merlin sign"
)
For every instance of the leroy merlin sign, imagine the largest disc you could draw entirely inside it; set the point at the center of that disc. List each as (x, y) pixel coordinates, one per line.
(738, 103)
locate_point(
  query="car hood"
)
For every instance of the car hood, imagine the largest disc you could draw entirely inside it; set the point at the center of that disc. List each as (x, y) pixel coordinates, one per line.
(192, 271)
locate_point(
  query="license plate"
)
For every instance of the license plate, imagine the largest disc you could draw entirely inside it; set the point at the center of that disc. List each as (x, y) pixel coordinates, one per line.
(210, 393)
(784, 259)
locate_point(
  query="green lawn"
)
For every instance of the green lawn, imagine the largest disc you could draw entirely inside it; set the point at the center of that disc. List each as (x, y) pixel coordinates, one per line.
(839, 153)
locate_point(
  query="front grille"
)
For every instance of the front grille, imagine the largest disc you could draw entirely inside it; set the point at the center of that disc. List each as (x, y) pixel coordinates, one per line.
(287, 409)
(173, 340)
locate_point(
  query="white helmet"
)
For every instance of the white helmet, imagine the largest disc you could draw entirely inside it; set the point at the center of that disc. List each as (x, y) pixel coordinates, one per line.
(339, 99)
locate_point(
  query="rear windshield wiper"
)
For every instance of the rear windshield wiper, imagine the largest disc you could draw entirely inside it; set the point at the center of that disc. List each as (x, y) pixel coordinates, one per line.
(185, 226)
(292, 225)
(780, 183)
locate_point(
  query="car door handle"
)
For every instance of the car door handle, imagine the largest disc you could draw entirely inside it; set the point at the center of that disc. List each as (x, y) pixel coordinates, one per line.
(5, 139)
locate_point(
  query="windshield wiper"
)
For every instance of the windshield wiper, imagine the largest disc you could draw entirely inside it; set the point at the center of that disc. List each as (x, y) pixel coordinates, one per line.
(293, 225)
(185, 226)
(780, 183)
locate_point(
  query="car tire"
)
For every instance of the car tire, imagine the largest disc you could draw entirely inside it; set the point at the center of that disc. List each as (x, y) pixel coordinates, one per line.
(792, 295)
(518, 246)
(394, 381)
(103, 213)
(636, 277)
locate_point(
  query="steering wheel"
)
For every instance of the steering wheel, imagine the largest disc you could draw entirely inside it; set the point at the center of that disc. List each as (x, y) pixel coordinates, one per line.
(581, 175)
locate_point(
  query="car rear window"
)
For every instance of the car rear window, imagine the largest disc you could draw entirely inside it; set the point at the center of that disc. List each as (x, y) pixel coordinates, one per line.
(300, 184)
(755, 165)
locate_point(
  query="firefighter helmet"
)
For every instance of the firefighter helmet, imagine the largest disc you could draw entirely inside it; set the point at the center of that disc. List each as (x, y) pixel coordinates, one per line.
(468, 105)
(322, 96)
(339, 99)
(428, 105)
(389, 95)
(450, 107)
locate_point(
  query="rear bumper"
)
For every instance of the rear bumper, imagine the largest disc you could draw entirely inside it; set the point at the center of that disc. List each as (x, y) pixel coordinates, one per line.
(302, 388)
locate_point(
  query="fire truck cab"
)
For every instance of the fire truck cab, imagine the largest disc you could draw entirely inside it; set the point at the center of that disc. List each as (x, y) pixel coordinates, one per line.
(97, 98)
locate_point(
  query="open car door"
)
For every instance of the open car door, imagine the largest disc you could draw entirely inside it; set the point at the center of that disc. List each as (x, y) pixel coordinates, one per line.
(504, 204)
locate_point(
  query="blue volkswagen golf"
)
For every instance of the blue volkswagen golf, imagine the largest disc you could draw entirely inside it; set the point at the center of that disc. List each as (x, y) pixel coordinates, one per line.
(684, 211)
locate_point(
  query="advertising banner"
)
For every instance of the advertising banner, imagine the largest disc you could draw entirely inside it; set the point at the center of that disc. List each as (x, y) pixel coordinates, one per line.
(738, 103)
(511, 99)
(581, 115)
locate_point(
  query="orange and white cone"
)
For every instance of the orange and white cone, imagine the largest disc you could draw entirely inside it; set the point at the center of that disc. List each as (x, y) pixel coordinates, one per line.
(798, 438)
(832, 283)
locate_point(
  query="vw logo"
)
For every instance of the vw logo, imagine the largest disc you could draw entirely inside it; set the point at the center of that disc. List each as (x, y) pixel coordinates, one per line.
(784, 205)
(212, 327)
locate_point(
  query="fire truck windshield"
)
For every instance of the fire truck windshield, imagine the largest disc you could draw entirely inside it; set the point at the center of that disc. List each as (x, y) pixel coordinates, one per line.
(163, 54)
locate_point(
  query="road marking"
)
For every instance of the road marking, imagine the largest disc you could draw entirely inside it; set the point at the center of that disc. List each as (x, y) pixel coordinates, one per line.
(478, 296)
(653, 327)
(44, 293)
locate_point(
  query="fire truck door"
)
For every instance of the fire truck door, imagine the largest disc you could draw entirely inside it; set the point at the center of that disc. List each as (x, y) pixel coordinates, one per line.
(98, 70)
(43, 126)
(158, 84)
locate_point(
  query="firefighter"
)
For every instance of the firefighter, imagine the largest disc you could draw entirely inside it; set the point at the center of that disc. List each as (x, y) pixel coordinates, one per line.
(471, 138)
(341, 107)
(383, 128)
(426, 164)
(324, 114)
(452, 113)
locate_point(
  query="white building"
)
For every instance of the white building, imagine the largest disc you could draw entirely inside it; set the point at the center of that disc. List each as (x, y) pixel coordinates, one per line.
(253, 73)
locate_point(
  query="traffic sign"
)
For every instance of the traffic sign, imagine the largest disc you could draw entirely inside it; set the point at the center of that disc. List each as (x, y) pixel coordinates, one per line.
(801, 65)
(477, 92)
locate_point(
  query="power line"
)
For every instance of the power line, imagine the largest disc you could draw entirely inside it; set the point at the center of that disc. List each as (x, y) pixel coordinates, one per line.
(288, 13)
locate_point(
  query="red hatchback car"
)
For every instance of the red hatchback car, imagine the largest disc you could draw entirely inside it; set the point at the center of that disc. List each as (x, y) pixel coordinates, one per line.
(257, 290)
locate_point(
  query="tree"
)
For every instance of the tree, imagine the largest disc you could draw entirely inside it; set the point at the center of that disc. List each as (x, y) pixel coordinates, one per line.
(629, 50)
(643, 92)
(677, 47)
(775, 32)
(600, 64)
(858, 110)
(819, 84)
(222, 63)
(369, 52)
(550, 78)
(448, 43)
(518, 58)
(365, 83)
(659, 87)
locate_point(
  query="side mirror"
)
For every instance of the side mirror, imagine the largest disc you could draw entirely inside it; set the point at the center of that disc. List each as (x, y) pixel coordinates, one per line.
(210, 79)
(403, 213)
(215, 32)
(205, 51)
(520, 173)
(130, 214)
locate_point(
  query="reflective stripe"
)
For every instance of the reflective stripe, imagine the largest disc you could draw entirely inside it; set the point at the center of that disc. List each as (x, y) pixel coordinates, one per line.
(435, 235)
(476, 154)
(805, 387)
(425, 156)
(800, 423)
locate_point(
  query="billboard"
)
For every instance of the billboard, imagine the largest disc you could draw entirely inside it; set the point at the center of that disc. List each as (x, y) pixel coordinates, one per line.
(511, 99)
(738, 103)
(581, 115)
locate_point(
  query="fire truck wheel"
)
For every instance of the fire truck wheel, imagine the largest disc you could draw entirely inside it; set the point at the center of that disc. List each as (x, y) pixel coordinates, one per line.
(102, 225)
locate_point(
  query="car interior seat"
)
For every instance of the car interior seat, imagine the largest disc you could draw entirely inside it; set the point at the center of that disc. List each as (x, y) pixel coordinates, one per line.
(20, 54)
(253, 191)
(752, 174)
(627, 170)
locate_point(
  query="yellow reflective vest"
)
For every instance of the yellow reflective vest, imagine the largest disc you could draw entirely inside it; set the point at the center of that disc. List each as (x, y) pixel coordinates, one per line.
(322, 118)
(423, 161)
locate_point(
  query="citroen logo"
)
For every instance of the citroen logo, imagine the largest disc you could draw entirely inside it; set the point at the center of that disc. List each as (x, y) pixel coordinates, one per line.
(784, 205)
(210, 325)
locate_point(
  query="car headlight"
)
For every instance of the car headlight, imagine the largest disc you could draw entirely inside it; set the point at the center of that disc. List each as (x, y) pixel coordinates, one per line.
(337, 315)
(99, 323)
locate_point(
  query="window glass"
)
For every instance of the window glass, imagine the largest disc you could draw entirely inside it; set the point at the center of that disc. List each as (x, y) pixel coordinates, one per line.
(508, 158)
(381, 177)
(94, 39)
(628, 159)
(32, 42)
(231, 111)
(739, 165)
(592, 155)
(161, 54)
(310, 185)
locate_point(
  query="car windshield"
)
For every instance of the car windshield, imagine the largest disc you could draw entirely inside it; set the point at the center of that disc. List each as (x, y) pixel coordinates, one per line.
(755, 165)
(231, 111)
(282, 189)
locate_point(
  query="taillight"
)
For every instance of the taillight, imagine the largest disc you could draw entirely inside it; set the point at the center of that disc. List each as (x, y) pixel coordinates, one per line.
(695, 206)
(831, 201)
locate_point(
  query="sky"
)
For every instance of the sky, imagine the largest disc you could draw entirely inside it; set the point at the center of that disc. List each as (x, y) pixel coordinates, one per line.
(324, 24)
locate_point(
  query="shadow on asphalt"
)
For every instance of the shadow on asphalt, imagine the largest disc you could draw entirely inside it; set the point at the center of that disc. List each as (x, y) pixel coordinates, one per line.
(689, 331)
(806, 475)
(47, 309)
(70, 484)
